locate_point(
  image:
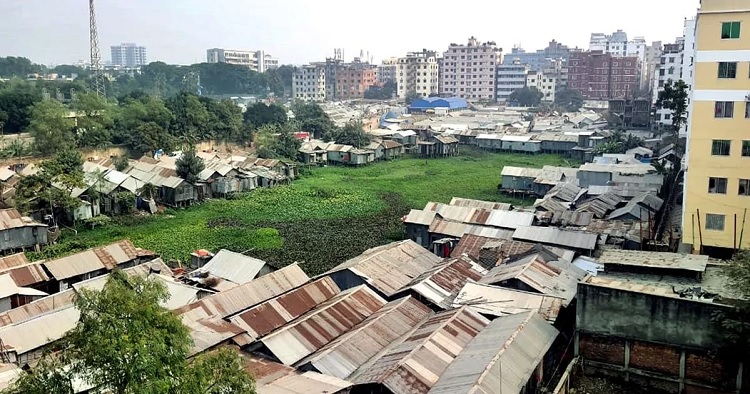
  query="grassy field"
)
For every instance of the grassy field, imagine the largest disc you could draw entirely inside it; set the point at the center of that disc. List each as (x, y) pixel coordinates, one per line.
(329, 215)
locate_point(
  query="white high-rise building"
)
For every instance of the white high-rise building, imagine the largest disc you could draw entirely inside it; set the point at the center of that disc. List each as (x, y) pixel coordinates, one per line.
(510, 77)
(309, 83)
(676, 63)
(128, 55)
(387, 70)
(469, 70)
(418, 73)
(547, 84)
(258, 61)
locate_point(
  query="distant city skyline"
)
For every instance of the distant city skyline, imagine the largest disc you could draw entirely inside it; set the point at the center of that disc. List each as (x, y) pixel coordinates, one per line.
(296, 31)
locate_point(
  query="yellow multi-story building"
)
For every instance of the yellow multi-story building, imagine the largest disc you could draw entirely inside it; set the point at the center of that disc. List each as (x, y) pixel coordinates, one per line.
(717, 188)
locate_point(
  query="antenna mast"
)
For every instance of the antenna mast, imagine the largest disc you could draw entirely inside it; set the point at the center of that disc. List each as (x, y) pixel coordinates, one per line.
(97, 79)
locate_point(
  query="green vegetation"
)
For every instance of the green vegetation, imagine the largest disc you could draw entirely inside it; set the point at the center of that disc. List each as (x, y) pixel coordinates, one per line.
(125, 342)
(526, 97)
(328, 216)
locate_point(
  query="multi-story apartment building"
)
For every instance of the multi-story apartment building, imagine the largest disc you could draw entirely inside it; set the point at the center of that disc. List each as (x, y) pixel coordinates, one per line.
(386, 71)
(601, 76)
(717, 186)
(617, 44)
(558, 69)
(128, 55)
(547, 84)
(669, 69)
(510, 77)
(353, 80)
(258, 61)
(651, 62)
(537, 60)
(418, 73)
(469, 71)
(309, 83)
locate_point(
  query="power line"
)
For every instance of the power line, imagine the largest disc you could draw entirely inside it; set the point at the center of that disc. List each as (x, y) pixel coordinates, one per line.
(97, 79)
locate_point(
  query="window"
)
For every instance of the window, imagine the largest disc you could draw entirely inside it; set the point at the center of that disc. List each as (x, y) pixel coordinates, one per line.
(667, 116)
(730, 30)
(724, 109)
(745, 148)
(720, 147)
(747, 110)
(717, 185)
(714, 222)
(744, 187)
(727, 69)
(661, 72)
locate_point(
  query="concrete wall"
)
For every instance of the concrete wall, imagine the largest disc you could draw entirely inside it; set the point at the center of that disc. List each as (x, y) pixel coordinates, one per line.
(646, 317)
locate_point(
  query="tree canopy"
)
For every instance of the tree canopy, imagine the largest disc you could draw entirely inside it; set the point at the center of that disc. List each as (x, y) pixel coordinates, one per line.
(735, 322)
(312, 119)
(260, 114)
(278, 141)
(52, 127)
(569, 100)
(189, 166)
(352, 133)
(125, 342)
(526, 97)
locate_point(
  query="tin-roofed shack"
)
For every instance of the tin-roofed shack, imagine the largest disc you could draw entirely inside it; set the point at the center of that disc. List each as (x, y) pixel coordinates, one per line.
(519, 179)
(20, 232)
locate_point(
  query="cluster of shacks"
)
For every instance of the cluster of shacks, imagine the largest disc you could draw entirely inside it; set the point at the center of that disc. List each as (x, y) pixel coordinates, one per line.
(506, 309)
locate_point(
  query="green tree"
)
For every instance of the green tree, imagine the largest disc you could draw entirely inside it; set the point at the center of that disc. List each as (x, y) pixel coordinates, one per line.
(125, 342)
(278, 141)
(94, 121)
(352, 133)
(189, 166)
(224, 118)
(147, 191)
(674, 98)
(569, 100)
(312, 119)
(121, 163)
(52, 127)
(412, 97)
(50, 188)
(384, 92)
(526, 97)
(18, 67)
(16, 101)
(734, 323)
(191, 118)
(260, 114)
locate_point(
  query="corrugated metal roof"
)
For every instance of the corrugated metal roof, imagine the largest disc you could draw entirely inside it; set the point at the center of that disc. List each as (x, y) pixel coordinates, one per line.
(446, 139)
(515, 345)
(275, 313)
(234, 267)
(494, 218)
(29, 274)
(414, 365)
(458, 230)
(242, 297)
(209, 332)
(522, 172)
(37, 308)
(637, 258)
(509, 219)
(564, 191)
(352, 350)
(274, 378)
(622, 169)
(500, 301)
(12, 261)
(339, 148)
(106, 257)
(10, 218)
(9, 288)
(518, 138)
(319, 327)
(420, 217)
(555, 236)
(559, 279)
(571, 218)
(390, 144)
(39, 331)
(648, 199)
(488, 205)
(389, 268)
(441, 285)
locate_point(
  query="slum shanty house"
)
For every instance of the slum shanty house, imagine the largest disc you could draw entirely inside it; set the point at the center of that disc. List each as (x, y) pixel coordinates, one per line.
(20, 232)
(377, 148)
(551, 176)
(601, 205)
(289, 344)
(651, 316)
(584, 243)
(267, 177)
(25, 273)
(407, 138)
(360, 157)
(417, 224)
(219, 179)
(517, 346)
(438, 146)
(493, 141)
(556, 142)
(227, 269)
(13, 296)
(272, 377)
(387, 269)
(468, 137)
(416, 363)
(283, 167)
(496, 301)
(624, 235)
(566, 192)
(446, 234)
(172, 190)
(352, 351)
(489, 252)
(591, 174)
(520, 144)
(519, 179)
(339, 154)
(95, 262)
(438, 287)
(392, 149)
(8, 181)
(492, 218)
(314, 152)
(488, 205)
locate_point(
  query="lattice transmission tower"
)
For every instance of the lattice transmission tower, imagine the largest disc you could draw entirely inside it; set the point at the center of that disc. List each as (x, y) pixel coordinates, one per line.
(97, 77)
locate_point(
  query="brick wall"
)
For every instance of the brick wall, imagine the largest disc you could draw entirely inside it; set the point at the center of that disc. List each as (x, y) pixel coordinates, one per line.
(703, 367)
(655, 358)
(603, 349)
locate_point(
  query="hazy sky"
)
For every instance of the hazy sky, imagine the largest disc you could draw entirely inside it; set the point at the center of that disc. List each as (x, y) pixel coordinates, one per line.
(299, 31)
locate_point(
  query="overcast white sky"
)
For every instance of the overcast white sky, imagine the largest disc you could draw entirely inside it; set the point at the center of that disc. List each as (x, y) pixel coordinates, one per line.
(299, 31)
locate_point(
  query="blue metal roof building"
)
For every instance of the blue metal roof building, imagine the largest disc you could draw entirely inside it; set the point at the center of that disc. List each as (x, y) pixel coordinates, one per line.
(431, 103)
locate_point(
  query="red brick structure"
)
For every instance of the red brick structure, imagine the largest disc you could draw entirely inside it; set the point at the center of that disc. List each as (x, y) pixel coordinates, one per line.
(600, 76)
(353, 80)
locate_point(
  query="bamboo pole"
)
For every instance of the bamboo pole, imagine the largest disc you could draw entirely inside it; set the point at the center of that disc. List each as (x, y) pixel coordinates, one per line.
(693, 233)
(700, 231)
(742, 230)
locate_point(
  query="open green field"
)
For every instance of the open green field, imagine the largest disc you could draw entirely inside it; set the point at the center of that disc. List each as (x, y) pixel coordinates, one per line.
(329, 215)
